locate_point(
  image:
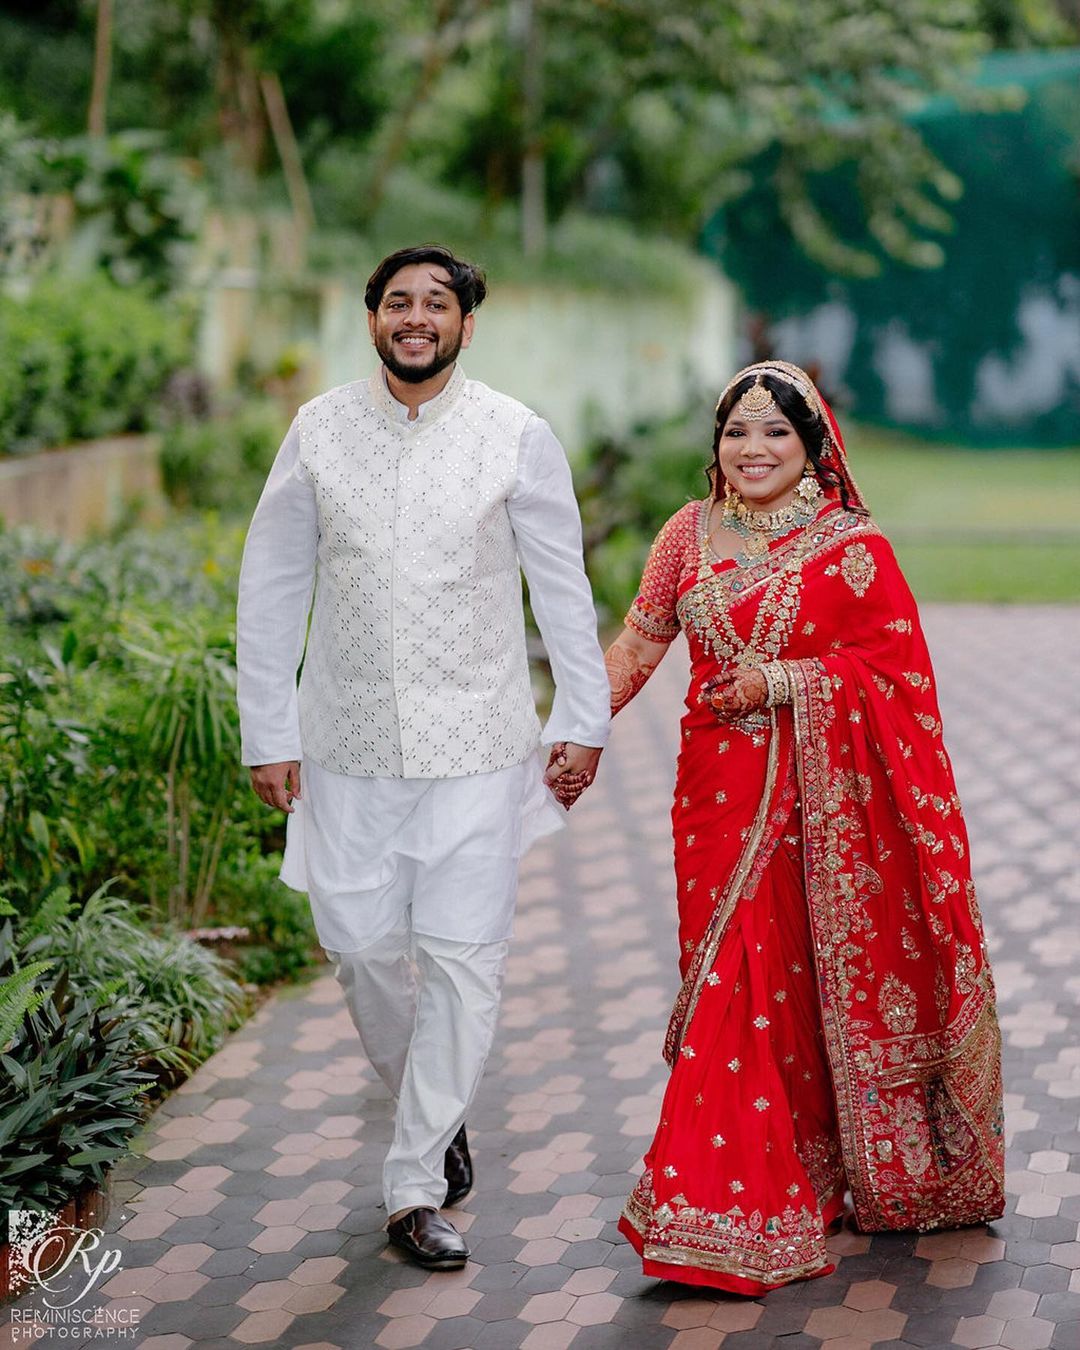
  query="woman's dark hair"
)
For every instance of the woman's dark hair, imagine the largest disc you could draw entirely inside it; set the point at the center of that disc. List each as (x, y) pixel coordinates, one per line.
(466, 280)
(809, 425)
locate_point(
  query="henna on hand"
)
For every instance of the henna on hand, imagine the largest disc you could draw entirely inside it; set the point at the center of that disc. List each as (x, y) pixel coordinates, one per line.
(735, 693)
(627, 674)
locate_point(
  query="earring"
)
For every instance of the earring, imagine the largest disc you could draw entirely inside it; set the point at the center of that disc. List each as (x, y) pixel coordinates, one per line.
(809, 488)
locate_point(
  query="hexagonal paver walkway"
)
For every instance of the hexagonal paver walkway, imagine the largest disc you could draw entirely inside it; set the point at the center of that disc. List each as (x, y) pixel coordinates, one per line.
(251, 1214)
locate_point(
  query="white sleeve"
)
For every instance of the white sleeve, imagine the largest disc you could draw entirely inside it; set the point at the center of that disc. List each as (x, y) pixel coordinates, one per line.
(277, 580)
(547, 527)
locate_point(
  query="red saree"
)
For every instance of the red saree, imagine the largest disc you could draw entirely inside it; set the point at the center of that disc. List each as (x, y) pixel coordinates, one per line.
(835, 1027)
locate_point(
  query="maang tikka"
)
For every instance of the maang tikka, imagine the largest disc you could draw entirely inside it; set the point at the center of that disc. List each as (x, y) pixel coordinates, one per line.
(758, 402)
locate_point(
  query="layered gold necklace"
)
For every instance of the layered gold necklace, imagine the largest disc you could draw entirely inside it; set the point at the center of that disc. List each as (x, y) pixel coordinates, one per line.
(707, 604)
(760, 528)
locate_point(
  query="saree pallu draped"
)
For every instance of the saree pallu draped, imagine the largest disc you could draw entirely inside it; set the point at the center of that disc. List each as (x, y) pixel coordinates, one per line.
(835, 1026)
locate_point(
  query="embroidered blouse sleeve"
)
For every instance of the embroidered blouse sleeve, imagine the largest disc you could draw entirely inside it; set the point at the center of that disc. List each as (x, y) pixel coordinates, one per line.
(652, 615)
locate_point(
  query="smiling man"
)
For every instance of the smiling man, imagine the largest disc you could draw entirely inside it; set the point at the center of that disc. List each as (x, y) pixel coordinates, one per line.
(398, 515)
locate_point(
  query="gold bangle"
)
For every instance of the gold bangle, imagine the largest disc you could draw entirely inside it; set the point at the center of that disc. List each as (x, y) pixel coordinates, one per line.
(777, 683)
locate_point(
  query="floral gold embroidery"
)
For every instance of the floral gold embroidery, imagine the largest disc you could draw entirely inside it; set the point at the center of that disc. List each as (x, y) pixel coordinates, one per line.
(857, 567)
(897, 1005)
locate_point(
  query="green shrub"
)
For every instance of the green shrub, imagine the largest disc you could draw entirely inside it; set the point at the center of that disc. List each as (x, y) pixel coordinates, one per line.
(584, 252)
(119, 737)
(282, 943)
(71, 1092)
(81, 358)
(183, 1000)
(43, 756)
(33, 375)
(628, 486)
(221, 464)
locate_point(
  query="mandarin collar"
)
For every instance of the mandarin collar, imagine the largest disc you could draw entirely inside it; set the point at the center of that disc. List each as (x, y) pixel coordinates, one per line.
(431, 411)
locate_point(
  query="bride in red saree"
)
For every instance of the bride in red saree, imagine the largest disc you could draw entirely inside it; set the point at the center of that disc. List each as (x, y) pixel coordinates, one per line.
(835, 1030)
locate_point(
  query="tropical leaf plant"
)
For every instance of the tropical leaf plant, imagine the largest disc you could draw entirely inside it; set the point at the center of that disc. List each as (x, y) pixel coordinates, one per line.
(191, 736)
(181, 999)
(72, 1090)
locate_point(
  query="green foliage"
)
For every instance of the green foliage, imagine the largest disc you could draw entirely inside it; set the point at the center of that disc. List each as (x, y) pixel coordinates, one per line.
(221, 464)
(585, 252)
(137, 209)
(71, 1090)
(83, 358)
(649, 112)
(282, 945)
(627, 487)
(20, 996)
(97, 1013)
(43, 755)
(655, 113)
(182, 999)
(188, 741)
(119, 737)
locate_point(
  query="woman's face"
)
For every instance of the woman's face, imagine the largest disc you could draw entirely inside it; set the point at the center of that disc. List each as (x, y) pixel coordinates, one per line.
(763, 461)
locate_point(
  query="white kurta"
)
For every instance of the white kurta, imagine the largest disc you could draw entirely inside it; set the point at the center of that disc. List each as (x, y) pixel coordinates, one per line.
(364, 848)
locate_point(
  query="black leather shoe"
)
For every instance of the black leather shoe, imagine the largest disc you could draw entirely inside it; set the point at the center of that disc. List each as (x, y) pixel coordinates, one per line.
(432, 1241)
(457, 1169)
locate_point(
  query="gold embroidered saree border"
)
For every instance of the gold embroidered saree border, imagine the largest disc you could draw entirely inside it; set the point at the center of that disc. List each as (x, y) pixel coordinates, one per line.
(707, 1248)
(959, 1034)
(969, 1189)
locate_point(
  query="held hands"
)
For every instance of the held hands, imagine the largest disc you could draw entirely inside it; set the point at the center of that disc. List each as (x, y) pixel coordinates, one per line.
(570, 770)
(735, 693)
(277, 784)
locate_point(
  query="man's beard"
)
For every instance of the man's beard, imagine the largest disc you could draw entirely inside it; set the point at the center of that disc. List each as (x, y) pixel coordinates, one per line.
(444, 355)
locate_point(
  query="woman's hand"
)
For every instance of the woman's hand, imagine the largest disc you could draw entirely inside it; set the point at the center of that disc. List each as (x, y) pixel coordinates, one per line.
(570, 770)
(735, 693)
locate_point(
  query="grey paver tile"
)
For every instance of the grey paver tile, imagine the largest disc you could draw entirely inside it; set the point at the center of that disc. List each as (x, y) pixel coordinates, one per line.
(576, 1070)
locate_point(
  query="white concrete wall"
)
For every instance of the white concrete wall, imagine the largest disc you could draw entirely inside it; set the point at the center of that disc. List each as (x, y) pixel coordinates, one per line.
(90, 486)
(562, 352)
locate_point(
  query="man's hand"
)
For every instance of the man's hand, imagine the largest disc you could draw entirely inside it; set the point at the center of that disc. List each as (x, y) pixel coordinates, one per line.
(570, 770)
(277, 784)
(735, 693)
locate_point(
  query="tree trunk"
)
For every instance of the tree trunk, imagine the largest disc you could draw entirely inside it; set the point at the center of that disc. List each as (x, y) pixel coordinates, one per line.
(443, 44)
(99, 92)
(288, 152)
(533, 187)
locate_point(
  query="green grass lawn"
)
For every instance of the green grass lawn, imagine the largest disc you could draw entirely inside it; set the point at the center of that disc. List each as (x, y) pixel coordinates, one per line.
(1000, 525)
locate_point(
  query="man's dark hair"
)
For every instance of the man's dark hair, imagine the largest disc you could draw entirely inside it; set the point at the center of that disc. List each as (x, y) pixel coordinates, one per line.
(466, 280)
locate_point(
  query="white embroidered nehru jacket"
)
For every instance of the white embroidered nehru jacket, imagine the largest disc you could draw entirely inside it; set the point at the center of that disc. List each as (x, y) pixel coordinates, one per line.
(415, 662)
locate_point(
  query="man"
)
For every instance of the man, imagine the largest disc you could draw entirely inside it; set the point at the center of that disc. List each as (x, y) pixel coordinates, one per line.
(407, 504)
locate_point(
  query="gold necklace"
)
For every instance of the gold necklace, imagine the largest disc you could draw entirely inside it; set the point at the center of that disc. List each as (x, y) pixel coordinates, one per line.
(760, 528)
(707, 605)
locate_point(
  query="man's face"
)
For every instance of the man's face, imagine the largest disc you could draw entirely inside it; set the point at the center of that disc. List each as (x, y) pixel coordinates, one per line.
(418, 329)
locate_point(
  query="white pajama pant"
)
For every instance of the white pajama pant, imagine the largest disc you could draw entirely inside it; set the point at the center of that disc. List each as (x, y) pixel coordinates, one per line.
(426, 1010)
(412, 886)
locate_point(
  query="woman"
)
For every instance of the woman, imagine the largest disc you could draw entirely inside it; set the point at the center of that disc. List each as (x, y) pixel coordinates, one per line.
(835, 1029)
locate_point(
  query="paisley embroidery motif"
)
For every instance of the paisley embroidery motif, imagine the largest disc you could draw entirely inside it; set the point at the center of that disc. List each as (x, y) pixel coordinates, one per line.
(898, 1005)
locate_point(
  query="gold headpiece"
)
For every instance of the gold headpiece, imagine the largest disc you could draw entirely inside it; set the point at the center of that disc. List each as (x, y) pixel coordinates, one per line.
(779, 370)
(757, 402)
